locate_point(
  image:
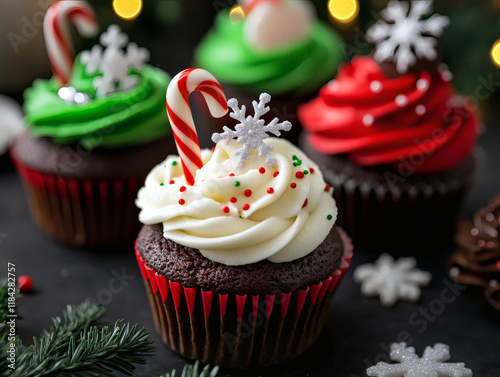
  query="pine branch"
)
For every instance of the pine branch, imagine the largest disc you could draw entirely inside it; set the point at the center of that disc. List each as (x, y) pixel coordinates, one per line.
(76, 346)
(96, 352)
(193, 371)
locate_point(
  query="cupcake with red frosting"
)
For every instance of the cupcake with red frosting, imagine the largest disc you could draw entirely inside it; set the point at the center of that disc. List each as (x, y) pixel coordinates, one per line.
(392, 136)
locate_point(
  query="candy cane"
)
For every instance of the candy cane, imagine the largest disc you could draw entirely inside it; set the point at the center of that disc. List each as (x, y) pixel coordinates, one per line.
(181, 119)
(250, 4)
(58, 33)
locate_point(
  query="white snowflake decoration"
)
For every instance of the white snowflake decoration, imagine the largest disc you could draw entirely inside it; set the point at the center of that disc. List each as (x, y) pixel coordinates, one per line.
(402, 36)
(251, 131)
(432, 363)
(391, 280)
(113, 63)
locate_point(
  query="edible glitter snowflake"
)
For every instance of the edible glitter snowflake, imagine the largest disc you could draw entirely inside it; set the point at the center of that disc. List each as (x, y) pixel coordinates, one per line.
(402, 36)
(251, 131)
(392, 280)
(114, 65)
(432, 363)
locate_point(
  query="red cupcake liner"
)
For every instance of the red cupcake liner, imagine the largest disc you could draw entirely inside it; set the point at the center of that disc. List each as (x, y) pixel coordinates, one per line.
(82, 211)
(240, 331)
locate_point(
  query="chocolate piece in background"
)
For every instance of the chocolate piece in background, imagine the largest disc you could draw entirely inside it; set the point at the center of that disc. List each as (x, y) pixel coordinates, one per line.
(477, 262)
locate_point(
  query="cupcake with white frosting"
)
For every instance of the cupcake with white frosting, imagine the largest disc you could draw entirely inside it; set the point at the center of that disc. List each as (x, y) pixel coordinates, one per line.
(241, 266)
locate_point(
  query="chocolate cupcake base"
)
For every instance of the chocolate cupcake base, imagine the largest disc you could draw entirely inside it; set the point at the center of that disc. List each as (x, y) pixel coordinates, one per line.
(85, 198)
(386, 210)
(233, 328)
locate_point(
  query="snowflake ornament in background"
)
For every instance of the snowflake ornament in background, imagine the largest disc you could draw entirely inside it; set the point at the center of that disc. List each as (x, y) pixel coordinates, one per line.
(251, 131)
(113, 63)
(391, 280)
(402, 36)
(432, 363)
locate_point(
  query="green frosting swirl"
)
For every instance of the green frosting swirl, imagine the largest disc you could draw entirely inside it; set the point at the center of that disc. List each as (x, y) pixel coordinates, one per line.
(127, 118)
(298, 69)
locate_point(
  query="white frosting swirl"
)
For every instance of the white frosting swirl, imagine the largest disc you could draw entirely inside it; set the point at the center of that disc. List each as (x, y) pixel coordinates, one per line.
(279, 213)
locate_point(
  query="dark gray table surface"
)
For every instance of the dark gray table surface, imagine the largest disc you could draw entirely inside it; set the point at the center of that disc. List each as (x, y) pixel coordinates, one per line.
(358, 329)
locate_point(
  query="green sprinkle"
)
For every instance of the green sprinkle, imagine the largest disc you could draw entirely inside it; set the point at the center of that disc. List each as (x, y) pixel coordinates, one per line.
(236, 183)
(329, 217)
(294, 157)
(299, 162)
(305, 172)
(164, 166)
(174, 163)
(161, 184)
(295, 164)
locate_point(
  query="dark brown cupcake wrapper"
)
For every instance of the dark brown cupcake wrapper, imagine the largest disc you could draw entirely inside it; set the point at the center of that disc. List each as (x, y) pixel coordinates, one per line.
(240, 331)
(82, 212)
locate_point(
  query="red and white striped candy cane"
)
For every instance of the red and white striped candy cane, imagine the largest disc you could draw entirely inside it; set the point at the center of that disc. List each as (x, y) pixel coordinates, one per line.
(181, 119)
(57, 33)
(250, 4)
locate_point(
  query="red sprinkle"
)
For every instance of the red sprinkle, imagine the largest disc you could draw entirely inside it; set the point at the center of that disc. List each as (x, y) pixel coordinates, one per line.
(305, 203)
(270, 190)
(171, 182)
(299, 175)
(327, 188)
(311, 170)
(293, 185)
(231, 174)
(225, 209)
(248, 193)
(181, 201)
(262, 170)
(233, 199)
(276, 174)
(245, 207)
(25, 283)
(182, 188)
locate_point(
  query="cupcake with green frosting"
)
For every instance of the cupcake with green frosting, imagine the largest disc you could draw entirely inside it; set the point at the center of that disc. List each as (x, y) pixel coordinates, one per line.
(278, 47)
(90, 143)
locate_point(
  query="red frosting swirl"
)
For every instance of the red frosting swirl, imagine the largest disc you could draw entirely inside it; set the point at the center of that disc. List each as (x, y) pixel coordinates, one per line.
(379, 120)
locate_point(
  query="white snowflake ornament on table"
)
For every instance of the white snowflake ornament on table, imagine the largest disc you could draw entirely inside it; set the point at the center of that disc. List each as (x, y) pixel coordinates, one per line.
(251, 131)
(113, 63)
(402, 35)
(432, 363)
(391, 280)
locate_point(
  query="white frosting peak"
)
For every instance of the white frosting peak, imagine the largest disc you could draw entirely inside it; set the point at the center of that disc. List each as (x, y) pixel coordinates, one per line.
(236, 217)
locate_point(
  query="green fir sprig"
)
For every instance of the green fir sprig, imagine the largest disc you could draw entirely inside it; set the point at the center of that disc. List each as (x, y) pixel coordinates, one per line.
(78, 346)
(193, 371)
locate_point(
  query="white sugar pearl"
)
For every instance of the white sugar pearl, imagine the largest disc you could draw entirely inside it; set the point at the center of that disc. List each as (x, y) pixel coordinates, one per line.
(420, 109)
(67, 93)
(368, 120)
(447, 75)
(376, 86)
(333, 84)
(81, 98)
(454, 272)
(401, 100)
(422, 84)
